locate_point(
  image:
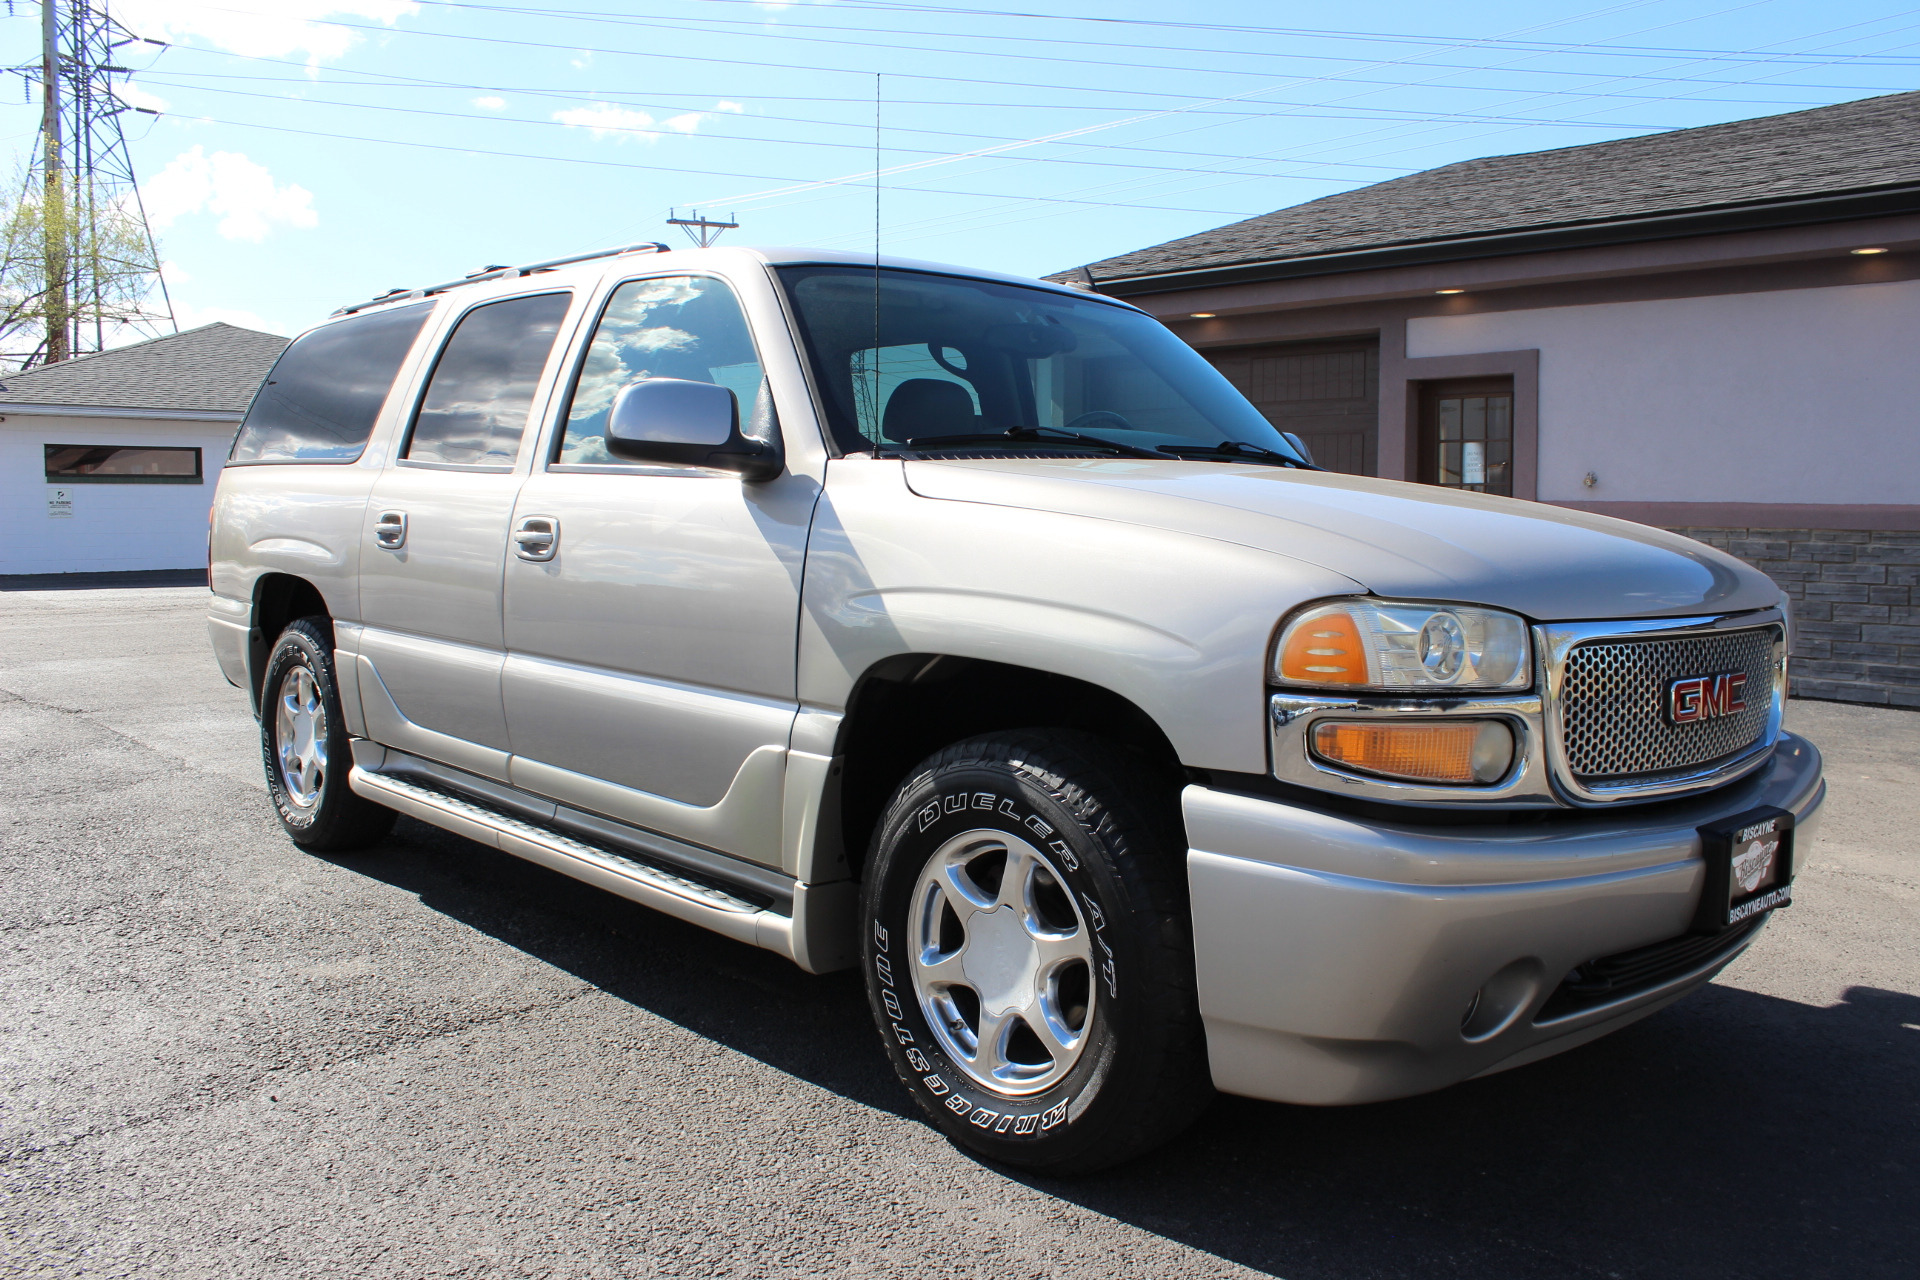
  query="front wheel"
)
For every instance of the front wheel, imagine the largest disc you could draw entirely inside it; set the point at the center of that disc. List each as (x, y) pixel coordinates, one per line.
(304, 742)
(1027, 956)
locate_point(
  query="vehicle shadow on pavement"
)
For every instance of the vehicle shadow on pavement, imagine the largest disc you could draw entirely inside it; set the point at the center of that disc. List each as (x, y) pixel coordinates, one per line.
(1733, 1134)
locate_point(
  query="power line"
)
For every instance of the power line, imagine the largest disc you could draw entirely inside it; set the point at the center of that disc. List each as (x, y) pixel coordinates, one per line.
(618, 97)
(1319, 33)
(653, 168)
(794, 66)
(589, 95)
(854, 146)
(788, 29)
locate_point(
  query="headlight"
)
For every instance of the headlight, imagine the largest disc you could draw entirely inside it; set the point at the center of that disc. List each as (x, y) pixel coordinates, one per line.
(1359, 643)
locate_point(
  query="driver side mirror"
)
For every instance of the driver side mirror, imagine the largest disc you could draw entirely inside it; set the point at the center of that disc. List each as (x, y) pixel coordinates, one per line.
(695, 424)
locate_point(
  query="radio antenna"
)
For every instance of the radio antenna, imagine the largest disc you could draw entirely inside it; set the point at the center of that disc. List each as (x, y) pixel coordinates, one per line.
(878, 408)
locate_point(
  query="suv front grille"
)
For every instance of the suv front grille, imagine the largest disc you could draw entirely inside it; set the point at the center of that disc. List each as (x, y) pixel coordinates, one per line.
(1612, 720)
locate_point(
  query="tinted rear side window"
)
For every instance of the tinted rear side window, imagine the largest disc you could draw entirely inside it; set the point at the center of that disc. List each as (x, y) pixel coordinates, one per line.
(482, 387)
(320, 400)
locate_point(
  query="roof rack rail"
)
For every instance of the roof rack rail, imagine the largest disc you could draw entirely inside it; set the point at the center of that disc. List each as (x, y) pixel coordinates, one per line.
(500, 273)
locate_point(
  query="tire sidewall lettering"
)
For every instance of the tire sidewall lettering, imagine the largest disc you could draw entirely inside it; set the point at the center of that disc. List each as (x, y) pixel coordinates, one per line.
(1006, 1118)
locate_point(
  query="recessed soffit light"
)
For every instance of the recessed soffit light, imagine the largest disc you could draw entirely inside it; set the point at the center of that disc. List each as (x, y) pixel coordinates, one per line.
(1201, 315)
(1864, 252)
(1449, 290)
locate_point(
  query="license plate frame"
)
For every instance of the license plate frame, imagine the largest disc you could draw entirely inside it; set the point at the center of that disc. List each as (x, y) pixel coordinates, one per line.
(1724, 903)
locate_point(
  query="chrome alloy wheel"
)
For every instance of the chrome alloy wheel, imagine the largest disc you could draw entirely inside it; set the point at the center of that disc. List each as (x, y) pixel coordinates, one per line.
(1002, 961)
(300, 737)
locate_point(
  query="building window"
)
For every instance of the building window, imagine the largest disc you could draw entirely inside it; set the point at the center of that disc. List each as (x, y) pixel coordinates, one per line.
(1466, 435)
(122, 464)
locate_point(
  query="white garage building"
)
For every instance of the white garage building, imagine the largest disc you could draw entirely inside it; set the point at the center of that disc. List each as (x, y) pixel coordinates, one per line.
(107, 462)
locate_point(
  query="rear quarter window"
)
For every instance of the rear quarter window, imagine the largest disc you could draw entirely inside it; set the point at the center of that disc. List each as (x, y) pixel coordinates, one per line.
(322, 396)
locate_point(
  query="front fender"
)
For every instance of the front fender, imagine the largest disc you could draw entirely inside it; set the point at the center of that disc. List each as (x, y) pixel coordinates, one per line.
(1175, 623)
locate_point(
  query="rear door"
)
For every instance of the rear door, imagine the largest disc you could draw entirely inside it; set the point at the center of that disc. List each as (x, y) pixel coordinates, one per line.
(651, 611)
(435, 537)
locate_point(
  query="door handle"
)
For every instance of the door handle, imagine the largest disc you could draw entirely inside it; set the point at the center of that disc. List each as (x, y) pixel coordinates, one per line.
(536, 537)
(390, 530)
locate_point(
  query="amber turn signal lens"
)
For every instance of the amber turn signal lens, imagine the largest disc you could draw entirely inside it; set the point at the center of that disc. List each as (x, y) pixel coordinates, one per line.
(1326, 650)
(1456, 752)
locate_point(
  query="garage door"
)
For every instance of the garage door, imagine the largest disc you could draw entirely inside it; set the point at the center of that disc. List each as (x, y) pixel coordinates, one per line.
(1328, 392)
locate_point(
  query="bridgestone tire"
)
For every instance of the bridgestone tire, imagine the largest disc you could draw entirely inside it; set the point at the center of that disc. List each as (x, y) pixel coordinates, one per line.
(1105, 838)
(300, 710)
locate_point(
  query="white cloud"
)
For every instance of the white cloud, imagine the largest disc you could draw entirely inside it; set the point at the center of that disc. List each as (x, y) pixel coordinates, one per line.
(241, 193)
(605, 119)
(490, 103)
(134, 96)
(260, 28)
(174, 274)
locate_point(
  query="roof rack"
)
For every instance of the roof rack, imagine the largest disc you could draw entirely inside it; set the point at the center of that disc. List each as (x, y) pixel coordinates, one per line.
(500, 273)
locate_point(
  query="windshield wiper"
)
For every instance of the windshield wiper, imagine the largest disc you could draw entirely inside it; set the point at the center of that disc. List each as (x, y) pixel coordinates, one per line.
(1237, 450)
(1031, 435)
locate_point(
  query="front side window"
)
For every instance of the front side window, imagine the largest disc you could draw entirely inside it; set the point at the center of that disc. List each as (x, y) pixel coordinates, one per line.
(688, 327)
(477, 401)
(122, 464)
(906, 358)
(323, 394)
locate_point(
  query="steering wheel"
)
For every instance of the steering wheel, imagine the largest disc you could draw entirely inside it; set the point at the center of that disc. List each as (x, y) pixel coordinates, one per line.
(1099, 418)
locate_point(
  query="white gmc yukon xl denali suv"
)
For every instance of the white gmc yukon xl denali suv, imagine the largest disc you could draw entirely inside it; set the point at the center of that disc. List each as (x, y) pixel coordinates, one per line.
(975, 631)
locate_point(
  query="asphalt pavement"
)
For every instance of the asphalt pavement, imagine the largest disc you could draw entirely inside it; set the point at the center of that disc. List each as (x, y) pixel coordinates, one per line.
(220, 1056)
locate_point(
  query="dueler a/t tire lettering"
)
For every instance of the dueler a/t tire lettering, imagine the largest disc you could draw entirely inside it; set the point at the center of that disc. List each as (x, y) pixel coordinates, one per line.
(300, 709)
(1053, 855)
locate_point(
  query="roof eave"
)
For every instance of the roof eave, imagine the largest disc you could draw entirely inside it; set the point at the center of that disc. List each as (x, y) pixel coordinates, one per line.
(1834, 207)
(29, 409)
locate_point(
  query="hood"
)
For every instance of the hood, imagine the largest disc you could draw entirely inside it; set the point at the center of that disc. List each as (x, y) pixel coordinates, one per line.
(1401, 540)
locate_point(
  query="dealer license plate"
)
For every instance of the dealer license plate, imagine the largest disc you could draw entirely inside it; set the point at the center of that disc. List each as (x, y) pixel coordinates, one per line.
(1749, 868)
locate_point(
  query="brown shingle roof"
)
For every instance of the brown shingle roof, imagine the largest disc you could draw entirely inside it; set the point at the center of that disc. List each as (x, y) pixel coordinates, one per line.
(1849, 147)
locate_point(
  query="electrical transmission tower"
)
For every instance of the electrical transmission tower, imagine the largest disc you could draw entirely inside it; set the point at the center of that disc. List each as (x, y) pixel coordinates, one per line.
(84, 268)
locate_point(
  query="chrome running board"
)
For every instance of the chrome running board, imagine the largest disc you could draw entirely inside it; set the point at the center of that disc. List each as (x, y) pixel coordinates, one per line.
(593, 863)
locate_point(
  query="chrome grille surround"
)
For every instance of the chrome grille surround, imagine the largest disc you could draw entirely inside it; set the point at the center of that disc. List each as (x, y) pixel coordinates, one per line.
(1604, 683)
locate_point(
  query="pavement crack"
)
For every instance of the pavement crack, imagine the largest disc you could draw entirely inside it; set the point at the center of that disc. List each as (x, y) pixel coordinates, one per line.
(92, 717)
(19, 1157)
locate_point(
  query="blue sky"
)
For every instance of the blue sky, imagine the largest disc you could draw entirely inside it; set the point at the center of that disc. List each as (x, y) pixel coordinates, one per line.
(312, 153)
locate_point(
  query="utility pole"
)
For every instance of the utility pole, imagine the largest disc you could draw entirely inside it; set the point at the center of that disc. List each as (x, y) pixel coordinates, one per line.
(53, 197)
(102, 268)
(702, 231)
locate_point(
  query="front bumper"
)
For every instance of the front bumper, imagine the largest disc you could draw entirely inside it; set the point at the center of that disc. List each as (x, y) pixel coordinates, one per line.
(1337, 956)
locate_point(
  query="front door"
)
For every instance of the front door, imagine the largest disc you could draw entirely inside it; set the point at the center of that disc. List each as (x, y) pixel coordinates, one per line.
(1466, 435)
(436, 536)
(652, 611)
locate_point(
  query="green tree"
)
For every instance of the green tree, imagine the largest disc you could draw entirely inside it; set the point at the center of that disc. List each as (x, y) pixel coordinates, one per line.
(75, 264)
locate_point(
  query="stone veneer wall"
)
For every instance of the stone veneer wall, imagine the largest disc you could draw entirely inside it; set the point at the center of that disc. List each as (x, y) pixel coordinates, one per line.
(1856, 607)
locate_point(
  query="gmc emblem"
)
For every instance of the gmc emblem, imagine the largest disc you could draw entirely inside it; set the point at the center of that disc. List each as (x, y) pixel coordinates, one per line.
(1694, 698)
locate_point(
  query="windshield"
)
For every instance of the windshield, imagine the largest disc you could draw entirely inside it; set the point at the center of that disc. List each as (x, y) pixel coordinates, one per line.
(905, 359)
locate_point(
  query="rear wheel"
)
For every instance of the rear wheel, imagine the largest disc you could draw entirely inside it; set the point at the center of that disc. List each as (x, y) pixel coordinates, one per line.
(304, 745)
(1027, 955)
